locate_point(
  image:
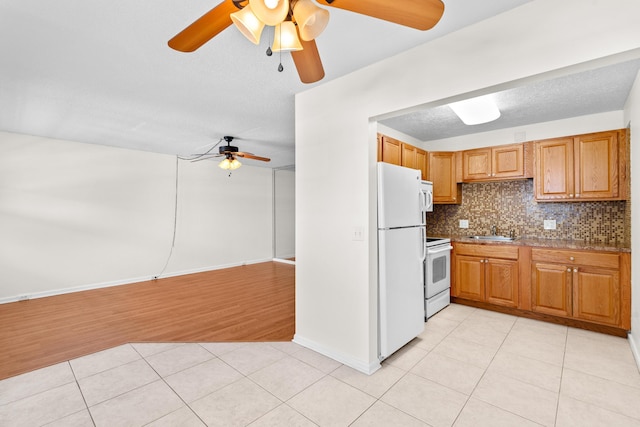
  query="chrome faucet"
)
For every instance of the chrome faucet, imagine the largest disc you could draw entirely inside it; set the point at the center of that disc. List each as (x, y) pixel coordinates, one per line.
(494, 230)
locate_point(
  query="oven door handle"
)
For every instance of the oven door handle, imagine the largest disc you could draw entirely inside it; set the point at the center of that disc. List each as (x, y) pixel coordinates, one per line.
(437, 251)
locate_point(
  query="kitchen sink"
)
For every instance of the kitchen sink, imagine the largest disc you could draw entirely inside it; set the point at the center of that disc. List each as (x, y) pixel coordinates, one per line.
(495, 238)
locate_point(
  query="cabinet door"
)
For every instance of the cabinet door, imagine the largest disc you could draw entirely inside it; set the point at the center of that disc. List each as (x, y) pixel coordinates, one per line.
(554, 169)
(596, 166)
(421, 162)
(502, 282)
(476, 164)
(507, 161)
(391, 151)
(470, 277)
(551, 289)
(409, 156)
(442, 172)
(596, 295)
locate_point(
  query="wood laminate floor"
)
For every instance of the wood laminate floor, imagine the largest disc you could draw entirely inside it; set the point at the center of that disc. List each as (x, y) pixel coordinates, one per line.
(249, 303)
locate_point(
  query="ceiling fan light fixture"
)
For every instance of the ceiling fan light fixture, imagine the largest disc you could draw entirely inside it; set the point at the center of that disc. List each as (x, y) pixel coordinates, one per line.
(248, 23)
(271, 12)
(285, 38)
(475, 111)
(310, 18)
(229, 163)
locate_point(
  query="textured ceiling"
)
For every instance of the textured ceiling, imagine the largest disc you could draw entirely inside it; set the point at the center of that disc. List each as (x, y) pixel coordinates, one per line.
(595, 91)
(101, 72)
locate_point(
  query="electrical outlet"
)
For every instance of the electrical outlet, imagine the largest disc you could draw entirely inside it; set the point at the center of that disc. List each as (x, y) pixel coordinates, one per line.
(464, 223)
(549, 224)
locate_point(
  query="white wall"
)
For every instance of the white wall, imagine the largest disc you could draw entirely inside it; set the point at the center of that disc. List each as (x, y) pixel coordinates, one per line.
(285, 213)
(336, 276)
(632, 116)
(393, 133)
(76, 216)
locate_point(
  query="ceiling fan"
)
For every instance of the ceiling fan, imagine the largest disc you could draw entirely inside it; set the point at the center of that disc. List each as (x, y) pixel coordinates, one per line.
(304, 19)
(229, 152)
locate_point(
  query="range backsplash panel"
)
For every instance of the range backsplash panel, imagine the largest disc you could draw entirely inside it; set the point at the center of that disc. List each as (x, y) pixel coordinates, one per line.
(510, 205)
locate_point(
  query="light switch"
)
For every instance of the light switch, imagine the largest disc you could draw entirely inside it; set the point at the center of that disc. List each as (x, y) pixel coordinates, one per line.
(358, 233)
(549, 224)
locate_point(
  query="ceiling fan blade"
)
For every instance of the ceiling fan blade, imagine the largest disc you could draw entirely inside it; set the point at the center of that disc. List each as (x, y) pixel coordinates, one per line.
(418, 14)
(251, 156)
(204, 28)
(308, 62)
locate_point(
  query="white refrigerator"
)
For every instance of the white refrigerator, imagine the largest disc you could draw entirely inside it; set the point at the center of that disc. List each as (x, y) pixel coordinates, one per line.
(401, 254)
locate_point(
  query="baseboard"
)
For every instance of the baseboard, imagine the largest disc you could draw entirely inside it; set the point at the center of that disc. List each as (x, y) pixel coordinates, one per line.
(54, 292)
(635, 349)
(284, 261)
(357, 364)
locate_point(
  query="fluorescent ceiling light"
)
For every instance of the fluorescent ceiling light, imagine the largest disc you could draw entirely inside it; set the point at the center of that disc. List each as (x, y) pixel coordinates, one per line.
(475, 111)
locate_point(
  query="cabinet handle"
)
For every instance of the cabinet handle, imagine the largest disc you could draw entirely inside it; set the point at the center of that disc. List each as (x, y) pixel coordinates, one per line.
(570, 195)
(568, 270)
(572, 258)
(575, 270)
(577, 194)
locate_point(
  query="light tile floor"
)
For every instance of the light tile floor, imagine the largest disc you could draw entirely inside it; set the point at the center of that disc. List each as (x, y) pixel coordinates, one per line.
(470, 367)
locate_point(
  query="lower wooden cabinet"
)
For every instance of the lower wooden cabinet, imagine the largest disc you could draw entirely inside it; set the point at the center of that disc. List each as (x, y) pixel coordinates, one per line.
(583, 286)
(502, 282)
(551, 289)
(580, 285)
(596, 295)
(487, 273)
(471, 277)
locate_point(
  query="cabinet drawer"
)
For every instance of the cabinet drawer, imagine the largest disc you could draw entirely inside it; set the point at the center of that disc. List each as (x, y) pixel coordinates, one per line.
(594, 259)
(489, 251)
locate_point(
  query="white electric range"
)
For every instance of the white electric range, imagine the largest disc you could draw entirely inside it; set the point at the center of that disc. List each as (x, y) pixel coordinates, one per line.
(437, 275)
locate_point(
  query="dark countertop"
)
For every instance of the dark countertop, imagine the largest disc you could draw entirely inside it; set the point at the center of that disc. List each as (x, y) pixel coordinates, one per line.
(547, 243)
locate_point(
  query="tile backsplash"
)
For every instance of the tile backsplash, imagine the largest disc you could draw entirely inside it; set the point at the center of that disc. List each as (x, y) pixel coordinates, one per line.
(510, 205)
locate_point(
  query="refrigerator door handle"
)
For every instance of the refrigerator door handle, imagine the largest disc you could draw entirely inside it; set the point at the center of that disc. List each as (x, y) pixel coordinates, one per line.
(423, 240)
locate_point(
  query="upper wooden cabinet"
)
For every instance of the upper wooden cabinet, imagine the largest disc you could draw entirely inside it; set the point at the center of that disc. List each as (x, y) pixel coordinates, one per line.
(582, 168)
(492, 163)
(422, 162)
(408, 156)
(442, 172)
(390, 150)
(414, 158)
(400, 153)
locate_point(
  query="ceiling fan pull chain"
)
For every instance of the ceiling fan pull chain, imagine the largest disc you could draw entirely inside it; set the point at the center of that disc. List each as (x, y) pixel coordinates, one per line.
(269, 51)
(280, 67)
